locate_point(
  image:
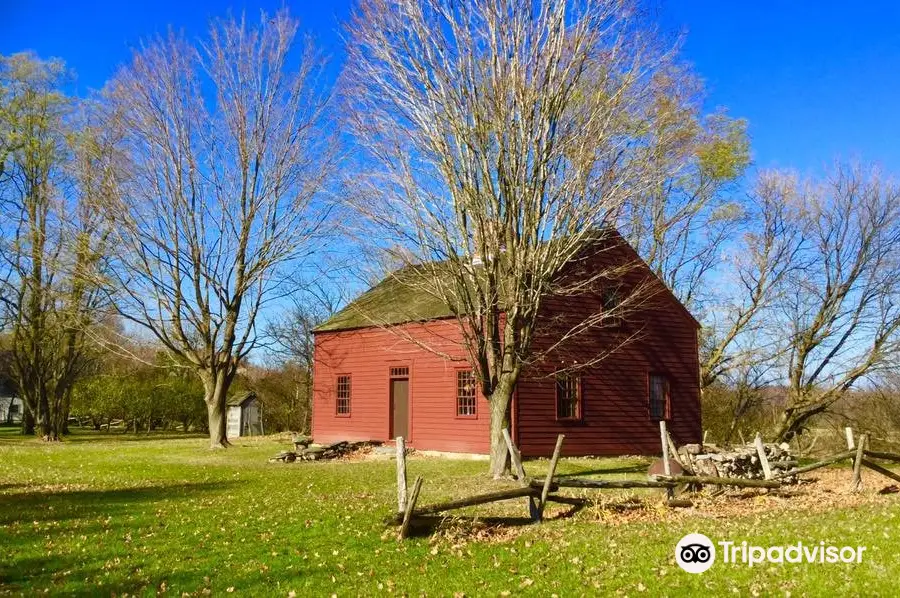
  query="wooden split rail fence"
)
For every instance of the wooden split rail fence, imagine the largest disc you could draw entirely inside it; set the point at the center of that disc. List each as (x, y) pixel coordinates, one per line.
(541, 491)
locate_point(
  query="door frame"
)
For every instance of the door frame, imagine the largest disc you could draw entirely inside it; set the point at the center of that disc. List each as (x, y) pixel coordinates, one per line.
(390, 402)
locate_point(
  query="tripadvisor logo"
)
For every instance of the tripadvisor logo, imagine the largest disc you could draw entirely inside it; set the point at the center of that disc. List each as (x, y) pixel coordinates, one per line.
(695, 553)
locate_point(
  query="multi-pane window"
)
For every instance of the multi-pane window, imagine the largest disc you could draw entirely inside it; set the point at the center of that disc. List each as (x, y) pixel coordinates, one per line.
(612, 305)
(568, 397)
(399, 372)
(465, 392)
(343, 395)
(659, 397)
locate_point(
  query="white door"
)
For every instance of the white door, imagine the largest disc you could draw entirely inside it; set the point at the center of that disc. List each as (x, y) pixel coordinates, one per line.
(233, 428)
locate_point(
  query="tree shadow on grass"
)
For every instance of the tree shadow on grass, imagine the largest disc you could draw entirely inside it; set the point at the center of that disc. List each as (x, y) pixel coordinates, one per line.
(50, 505)
(42, 514)
(12, 435)
(21, 574)
(74, 575)
(426, 525)
(85, 436)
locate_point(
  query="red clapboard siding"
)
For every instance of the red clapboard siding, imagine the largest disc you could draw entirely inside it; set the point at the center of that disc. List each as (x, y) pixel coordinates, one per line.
(367, 356)
(615, 391)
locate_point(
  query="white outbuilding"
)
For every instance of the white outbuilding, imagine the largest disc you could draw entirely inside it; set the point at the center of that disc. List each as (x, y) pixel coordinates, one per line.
(11, 410)
(244, 415)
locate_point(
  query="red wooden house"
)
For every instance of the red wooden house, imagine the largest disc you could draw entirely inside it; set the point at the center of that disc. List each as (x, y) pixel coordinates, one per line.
(374, 378)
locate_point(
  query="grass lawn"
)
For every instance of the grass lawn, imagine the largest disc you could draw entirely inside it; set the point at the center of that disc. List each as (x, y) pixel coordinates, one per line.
(101, 515)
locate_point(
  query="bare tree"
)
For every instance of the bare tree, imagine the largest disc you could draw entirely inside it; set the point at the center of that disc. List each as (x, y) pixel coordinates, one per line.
(842, 311)
(875, 408)
(228, 157)
(502, 140)
(683, 223)
(292, 339)
(292, 333)
(55, 181)
(736, 343)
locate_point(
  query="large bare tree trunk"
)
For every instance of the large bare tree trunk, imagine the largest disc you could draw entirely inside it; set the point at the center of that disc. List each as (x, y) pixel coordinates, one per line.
(789, 427)
(27, 420)
(216, 392)
(43, 426)
(794, 421)
(218, 437)
(500, 406)
(49, 432)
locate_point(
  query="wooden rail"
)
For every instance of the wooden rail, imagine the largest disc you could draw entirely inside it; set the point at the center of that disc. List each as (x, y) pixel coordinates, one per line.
(601, 484)
(471, 501)
(881, 455)
(701, 479)
(882, 470)
(812, 466)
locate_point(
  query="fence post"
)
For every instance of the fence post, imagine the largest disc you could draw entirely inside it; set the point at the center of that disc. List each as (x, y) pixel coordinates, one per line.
(664, 440)
(534, 507)
(545, 491)
(761, 452)
(673, 452)
(401, 474)
(514, 456)
(857, 463)
(407, 515)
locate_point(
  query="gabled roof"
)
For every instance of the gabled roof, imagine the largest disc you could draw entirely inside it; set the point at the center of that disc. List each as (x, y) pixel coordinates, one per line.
(394, 300)
(239, 399)
(402, 298)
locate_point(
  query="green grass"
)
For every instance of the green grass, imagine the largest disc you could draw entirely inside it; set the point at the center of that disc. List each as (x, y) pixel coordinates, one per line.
(101, 515)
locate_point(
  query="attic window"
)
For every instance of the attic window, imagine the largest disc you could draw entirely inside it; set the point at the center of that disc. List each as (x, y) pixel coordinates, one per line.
(568, 397)
(611, 299)
(465, 393)
(612, 305)
(342, 404)
(659, 397)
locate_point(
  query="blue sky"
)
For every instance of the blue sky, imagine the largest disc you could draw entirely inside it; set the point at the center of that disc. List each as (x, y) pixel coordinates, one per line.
(817, 81)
